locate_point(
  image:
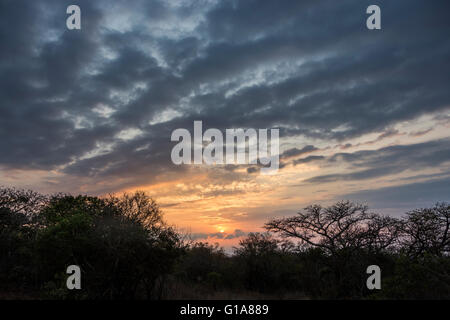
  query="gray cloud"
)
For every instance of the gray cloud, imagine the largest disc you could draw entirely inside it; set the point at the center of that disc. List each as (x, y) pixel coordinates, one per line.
(236, 234)
(307, 159)
(218, 235)
(294, 152)
(411, 195)
(368, 164)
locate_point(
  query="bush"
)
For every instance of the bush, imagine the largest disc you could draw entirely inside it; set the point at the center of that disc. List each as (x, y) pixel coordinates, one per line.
(122, 246)
(126, 251)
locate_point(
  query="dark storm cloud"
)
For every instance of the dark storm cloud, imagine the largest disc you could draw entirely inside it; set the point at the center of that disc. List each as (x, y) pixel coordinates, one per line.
(307, 159)
(307, 67)
(294, 152)
(39, 79)
(359, 175)
(408, 195)
(368, 164)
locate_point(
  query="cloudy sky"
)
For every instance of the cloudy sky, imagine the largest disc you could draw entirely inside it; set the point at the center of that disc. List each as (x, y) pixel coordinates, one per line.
(363, 114)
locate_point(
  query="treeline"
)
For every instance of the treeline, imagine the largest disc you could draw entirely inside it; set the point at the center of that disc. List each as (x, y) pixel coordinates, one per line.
(127, 251)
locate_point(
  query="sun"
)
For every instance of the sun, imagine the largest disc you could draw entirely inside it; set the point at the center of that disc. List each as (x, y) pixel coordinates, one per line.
(220, 228)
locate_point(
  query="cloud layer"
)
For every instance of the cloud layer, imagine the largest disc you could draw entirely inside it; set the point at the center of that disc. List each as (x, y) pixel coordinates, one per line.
(93, 110)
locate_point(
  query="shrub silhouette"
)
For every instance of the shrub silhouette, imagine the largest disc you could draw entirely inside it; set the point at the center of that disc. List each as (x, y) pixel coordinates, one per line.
(427, 231)
(121, 244)
(127, 251)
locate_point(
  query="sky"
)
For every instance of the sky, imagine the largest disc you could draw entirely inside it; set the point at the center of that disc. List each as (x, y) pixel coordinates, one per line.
(363, 114)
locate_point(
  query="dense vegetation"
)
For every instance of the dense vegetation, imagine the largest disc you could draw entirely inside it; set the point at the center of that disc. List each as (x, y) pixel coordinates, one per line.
(127, 251)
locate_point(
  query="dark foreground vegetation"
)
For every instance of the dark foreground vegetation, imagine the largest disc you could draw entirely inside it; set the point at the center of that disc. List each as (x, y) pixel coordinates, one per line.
(127, 251)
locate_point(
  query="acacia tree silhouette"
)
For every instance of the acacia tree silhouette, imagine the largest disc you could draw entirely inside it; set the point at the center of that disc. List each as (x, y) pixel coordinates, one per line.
(344, 225)
(127, 251)
(427, 231)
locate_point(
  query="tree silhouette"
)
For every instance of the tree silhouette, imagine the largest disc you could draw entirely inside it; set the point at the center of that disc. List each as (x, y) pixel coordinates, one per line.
(343, 225)
(127, 251)
(427, 231)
